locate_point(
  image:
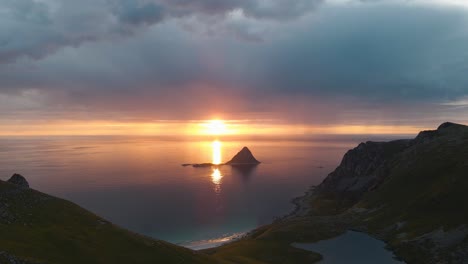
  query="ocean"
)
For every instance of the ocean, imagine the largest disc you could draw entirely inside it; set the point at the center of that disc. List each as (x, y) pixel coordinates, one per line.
(138, 182)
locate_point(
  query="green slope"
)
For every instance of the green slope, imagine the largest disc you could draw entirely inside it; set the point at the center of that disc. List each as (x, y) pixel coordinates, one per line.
(44, 229)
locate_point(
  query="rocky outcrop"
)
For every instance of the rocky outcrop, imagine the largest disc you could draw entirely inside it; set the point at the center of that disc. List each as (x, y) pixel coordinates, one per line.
(19, 180)
(244, 157)
(365, 167)
(7, 258)
(361, 169)
(15, 198)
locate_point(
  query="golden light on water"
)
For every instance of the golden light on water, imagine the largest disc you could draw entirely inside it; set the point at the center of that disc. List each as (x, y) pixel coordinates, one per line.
(217, 158)
(216, 176)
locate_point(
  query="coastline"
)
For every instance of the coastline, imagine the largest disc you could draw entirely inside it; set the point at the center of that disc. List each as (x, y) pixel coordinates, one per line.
(212, 243)
(332, 226)
(300, 208)
(352, 216)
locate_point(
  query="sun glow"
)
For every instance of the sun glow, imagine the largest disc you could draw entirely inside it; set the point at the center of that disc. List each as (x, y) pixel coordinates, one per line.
(216, 146)
(216, 127)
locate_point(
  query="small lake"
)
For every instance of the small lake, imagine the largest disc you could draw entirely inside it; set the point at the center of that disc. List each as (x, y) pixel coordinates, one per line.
(351, 247)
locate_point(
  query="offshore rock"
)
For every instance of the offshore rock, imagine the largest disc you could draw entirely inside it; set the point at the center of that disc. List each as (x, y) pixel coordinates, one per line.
(244, 157)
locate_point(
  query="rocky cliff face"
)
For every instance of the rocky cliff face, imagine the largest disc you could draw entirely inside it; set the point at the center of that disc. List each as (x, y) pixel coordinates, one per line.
(365, 167)
(361, 169)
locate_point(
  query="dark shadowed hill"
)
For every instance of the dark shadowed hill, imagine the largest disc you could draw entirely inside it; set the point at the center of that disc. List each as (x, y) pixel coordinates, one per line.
(38, 228)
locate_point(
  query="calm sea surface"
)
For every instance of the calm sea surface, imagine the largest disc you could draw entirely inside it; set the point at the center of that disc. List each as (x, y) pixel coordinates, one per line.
(139, 183)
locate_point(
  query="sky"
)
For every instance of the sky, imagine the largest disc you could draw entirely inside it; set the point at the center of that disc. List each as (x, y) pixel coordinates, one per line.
(265, 66)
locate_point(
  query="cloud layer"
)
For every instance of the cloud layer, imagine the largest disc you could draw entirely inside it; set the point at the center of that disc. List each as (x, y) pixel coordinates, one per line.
(302, 61)
(36, 28)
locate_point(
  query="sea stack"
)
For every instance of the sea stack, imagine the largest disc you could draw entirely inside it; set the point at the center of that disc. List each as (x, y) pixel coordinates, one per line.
(19, 180)
(244, 157)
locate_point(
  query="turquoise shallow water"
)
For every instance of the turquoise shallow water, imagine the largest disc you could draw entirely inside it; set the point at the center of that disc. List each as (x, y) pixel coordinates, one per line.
(351, 248)
(139, 183)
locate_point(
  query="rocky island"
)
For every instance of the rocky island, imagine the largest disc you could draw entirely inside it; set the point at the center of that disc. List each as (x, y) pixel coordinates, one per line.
(243, 158)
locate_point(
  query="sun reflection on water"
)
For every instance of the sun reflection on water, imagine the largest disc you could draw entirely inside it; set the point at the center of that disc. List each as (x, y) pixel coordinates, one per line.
(216, 178)
(216, 145)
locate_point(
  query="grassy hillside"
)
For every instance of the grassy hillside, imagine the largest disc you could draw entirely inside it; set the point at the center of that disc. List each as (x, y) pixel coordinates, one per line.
(43, 229)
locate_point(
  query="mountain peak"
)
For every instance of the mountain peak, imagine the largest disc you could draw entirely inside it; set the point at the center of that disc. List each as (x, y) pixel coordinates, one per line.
(243, 157)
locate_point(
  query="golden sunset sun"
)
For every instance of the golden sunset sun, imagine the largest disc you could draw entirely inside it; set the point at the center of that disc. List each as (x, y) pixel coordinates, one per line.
(216, 127)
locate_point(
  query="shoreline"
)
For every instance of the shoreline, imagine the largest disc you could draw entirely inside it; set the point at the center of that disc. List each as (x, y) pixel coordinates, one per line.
(217, 242)
(302, 210)
(212, 243)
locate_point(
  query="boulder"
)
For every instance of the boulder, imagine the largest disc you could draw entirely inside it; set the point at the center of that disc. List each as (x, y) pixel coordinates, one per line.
(19, 180)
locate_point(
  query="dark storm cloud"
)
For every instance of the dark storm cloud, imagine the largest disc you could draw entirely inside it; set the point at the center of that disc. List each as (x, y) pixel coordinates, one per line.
(34, 28)
(270, 9)
(390, 53)
(344, 62)
(128, 12)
